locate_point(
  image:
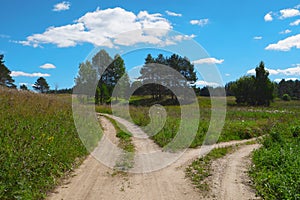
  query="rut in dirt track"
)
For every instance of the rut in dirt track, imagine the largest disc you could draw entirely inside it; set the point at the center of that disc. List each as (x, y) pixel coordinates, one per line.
(93, 180)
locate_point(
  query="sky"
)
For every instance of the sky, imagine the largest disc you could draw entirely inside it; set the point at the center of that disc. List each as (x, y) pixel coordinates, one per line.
(50, 38)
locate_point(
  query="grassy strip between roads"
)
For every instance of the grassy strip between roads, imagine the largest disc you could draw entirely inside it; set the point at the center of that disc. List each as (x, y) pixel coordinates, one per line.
(200, 168)
(38, 143)
(127, 159)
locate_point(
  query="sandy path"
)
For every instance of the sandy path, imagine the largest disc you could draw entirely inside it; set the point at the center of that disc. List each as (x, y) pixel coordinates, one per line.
(229, 178)
(93, 180)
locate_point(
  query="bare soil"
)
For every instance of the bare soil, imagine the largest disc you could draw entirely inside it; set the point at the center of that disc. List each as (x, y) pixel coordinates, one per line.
(93, 180)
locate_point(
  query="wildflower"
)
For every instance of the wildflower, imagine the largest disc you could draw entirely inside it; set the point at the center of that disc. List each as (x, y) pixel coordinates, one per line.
(50, 139)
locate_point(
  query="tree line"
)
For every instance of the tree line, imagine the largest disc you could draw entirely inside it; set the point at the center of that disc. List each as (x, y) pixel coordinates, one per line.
(106, 73)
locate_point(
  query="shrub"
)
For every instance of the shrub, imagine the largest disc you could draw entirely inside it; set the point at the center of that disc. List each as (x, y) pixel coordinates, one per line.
(286, 97)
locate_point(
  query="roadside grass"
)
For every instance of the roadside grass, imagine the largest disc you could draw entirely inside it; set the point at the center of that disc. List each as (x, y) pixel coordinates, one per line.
(276, 164)
(200, 168)
(127, 159)
(38, 143)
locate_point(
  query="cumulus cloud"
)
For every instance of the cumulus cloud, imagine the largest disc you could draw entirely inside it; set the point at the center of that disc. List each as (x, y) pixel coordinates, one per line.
(48, 66)
(20, 73)
(208, 61)
(288, 13)
(173, 14)
(200, 22)
(285, 31)
(268, 17)
(293, 71)
(295, 23)
(286, 44)
(257, 37)
(65, 5)
(104, 28)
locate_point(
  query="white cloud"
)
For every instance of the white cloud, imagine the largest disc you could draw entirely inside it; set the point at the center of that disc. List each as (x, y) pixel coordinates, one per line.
(271, 71)
(183, 37)
(285, 31)
(200, 22)
(295, 23)
(293, 71)
(290, 12)
(103, 27)
(298, 6)
(65, 5)
(208, 61)
(19, 73)
(205, 83)
(173, 14)
(257, 37)
(227, 75)
(285, 44)
(268, 17)
(48, 66)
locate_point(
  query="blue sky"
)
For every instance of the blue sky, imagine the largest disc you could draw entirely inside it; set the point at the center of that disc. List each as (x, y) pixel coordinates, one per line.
(50, 38)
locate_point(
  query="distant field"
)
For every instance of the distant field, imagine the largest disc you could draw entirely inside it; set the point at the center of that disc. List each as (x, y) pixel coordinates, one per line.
(38, 143)
(242, 122)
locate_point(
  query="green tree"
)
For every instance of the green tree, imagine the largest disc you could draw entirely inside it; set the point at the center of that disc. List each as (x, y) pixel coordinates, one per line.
(117, 71)
(100, 63)
(264, 88)
(86, 80)
(254, 90)
(5, 77)
(41, 85)
(243, 90)
(158, 81)
(23, 87)
(109, 72)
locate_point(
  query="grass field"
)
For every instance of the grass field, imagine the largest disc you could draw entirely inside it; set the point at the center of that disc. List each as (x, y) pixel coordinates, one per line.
(241, 122)
(276, 165)
(38, 143)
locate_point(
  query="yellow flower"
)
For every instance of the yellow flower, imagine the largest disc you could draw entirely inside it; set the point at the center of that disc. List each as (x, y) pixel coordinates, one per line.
(50, 139)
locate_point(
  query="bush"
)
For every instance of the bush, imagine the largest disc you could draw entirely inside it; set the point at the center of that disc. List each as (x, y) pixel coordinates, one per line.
(286, 97)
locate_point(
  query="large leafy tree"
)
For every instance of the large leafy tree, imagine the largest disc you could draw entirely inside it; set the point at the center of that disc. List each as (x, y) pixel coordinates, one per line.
(86, 79)
(157, 80)
(5, 77)
(100, 63)
(254, 90)
(109, 72)
(41, 85)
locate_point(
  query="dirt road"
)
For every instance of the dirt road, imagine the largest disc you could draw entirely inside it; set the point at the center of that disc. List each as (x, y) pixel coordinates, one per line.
(93, 180)
(229, 180)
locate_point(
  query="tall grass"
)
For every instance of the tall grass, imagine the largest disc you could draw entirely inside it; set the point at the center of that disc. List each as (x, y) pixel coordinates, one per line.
(276, 166)
(38, 143)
